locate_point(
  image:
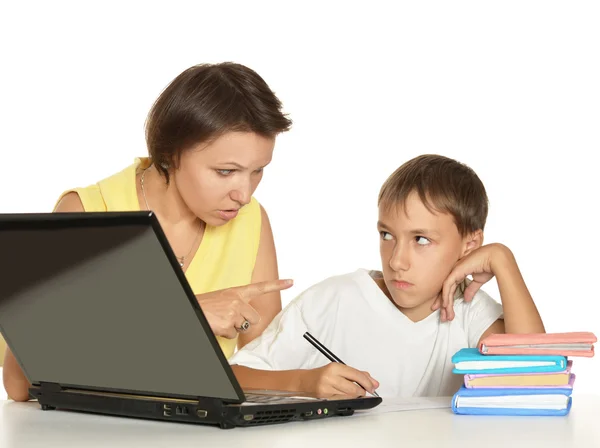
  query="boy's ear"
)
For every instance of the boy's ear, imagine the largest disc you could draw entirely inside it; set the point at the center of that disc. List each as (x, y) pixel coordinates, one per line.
(472, 241)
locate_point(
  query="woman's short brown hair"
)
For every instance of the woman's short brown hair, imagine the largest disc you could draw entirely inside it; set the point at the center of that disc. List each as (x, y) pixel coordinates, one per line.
(205, 102)
(443, 185)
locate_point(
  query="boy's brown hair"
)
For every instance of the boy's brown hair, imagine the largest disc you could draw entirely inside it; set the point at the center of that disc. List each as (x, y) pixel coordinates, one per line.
(205, 102)
(443, 185)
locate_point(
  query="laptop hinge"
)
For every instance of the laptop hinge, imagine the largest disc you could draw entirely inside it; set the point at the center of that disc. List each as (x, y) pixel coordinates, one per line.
(50, 387)
(216, 403)
(225, 402)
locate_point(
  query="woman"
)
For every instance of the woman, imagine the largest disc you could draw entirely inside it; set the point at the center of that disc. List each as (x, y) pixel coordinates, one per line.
(210, 134)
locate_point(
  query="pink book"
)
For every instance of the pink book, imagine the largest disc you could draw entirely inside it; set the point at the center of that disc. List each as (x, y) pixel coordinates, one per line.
(542, 380)
(562, 344)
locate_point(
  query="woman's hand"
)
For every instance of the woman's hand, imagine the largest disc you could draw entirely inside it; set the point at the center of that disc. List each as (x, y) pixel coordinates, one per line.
(228, 310)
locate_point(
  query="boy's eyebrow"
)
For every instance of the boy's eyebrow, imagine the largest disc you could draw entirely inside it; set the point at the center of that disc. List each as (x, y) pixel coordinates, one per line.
(424, 232)
(382, 225)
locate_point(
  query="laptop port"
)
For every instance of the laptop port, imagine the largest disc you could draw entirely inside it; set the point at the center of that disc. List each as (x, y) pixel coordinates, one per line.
(201, 413)
(308, 413)
(167, 413)
(345, 411)
(181, 410)
(166, 407)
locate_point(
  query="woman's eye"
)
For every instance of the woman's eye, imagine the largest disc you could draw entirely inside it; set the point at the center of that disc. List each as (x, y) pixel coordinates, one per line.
(225, 172)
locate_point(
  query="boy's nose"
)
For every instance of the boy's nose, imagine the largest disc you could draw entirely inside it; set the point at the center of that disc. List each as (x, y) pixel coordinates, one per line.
(400, 259)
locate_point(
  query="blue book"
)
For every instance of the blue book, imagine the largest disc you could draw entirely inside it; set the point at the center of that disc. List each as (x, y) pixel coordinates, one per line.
(470, 361)
(525, 401)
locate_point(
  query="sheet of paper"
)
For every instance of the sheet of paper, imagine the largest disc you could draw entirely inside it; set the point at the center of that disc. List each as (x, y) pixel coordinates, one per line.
(396, 404)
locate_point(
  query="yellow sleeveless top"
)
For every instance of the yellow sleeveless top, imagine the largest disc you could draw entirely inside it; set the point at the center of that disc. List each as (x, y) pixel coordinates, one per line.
(226, 255)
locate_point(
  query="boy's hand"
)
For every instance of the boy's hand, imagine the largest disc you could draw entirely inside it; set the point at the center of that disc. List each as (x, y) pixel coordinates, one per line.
(479, 265)
(338, 379)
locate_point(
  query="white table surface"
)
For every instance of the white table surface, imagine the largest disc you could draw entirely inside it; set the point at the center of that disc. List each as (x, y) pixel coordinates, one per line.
(26, 425)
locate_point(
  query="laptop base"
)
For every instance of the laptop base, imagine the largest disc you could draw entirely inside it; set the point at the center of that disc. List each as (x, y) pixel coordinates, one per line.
(208, 411)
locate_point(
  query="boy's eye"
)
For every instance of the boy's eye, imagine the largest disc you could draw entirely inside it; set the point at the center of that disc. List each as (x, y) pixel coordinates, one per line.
(385, 235)
(422, 241)
(225, 172)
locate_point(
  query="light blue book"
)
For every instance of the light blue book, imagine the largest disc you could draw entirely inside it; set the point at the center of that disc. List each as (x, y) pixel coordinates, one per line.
(525, 401)
(470, 361)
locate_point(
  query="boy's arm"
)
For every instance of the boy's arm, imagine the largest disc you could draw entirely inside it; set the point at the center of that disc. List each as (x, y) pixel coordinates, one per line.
(280, 359)
(323, 382)
(520, 313)
(268, 379)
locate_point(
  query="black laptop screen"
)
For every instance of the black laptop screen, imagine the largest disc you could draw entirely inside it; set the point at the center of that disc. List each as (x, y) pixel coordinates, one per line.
(101, 307)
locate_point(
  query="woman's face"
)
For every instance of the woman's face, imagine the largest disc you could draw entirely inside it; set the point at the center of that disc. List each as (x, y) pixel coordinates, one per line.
(216, 179)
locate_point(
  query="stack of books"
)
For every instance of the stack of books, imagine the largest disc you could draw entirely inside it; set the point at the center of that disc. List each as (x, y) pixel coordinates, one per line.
(520, 374)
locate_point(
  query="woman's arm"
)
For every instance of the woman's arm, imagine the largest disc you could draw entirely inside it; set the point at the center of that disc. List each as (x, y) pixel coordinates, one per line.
(265, 269)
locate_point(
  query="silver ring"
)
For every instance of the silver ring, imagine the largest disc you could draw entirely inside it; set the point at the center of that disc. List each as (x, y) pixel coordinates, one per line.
(245, 325)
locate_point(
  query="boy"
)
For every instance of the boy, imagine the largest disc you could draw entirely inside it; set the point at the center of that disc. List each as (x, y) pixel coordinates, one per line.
(399, 325)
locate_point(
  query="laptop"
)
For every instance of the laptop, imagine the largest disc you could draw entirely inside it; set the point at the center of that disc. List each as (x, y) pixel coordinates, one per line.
(101, 319)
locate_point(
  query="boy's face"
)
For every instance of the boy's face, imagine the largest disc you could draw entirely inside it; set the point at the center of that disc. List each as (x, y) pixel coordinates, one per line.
(418, 251)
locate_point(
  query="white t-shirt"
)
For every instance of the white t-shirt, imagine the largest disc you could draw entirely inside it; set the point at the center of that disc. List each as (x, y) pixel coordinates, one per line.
(353, 318)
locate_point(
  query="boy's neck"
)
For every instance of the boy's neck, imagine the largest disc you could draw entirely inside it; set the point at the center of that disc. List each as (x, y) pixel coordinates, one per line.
(415, 314)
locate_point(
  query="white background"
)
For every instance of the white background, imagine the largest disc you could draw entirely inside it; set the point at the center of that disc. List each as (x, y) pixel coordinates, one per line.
(510, 88)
